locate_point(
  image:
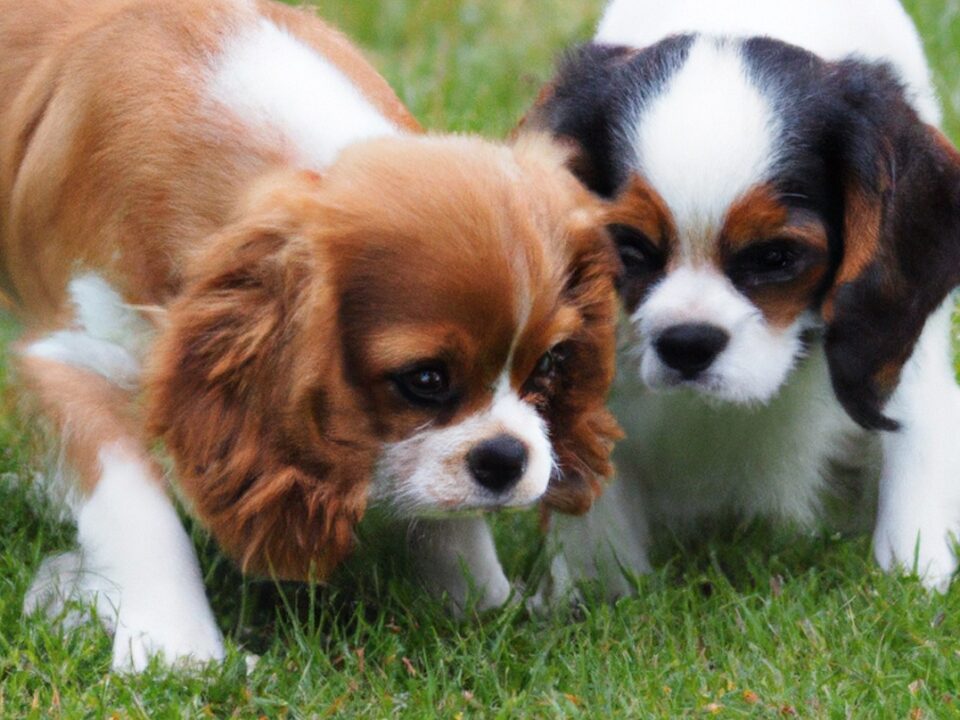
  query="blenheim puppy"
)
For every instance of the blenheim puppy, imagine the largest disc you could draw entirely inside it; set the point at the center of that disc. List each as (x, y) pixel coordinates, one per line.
(789, 219)
(222, 230)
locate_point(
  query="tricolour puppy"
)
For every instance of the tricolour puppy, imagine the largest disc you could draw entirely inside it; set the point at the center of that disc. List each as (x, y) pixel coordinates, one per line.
(789, 219)
(220, 204)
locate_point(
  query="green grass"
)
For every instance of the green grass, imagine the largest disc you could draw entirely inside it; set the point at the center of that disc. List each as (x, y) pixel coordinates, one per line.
(755, 624)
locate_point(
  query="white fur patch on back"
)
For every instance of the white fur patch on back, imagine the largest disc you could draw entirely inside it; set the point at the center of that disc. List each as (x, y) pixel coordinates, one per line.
(296, 98)
(705, 140)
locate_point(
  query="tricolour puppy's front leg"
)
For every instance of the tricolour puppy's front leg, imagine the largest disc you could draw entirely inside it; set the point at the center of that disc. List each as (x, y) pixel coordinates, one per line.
(919, 499)
(456, 557)
(607, 545)
(135, 562)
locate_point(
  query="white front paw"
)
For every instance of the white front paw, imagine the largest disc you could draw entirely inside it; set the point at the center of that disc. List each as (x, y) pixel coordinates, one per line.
(180, 628)
(556, 590)
(494, 593)
(179, 637)
(928, 551)
(463, 594)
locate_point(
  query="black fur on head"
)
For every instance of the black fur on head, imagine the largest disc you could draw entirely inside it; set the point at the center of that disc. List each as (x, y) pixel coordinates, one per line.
(597, 93)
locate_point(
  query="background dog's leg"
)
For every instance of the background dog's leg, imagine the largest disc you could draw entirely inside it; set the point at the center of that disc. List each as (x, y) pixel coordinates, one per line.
(135, 562)
(608, 544)
(457, 557)
(919, 498)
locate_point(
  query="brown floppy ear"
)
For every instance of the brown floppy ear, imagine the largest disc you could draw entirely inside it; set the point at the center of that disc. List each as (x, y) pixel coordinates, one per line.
(901, 243)
(245, 388)
(583, 431)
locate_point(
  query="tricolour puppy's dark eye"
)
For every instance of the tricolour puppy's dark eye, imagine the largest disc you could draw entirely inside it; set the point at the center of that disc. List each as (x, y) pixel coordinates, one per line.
(776, 258)
(776, 261)
(637, 252)
(424, 384)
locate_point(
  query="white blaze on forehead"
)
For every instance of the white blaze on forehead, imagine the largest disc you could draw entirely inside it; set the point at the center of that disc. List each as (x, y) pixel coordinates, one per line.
(705, 140)
(292, 95)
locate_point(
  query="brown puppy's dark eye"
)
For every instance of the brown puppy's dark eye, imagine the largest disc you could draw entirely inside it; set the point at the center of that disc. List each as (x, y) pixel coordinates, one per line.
(546, 372)
(424, 384)
(546, 365)
(551, 362)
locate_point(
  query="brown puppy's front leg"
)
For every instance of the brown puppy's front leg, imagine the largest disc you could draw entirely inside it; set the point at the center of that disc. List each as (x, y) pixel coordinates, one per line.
(135, 562)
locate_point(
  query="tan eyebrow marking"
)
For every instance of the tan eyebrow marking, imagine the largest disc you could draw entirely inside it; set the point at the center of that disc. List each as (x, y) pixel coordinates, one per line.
(641, 207)
(759, 215)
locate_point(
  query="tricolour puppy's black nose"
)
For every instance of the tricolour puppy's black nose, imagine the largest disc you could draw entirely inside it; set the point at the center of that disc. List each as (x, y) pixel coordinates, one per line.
(498, 463)
(690, 349)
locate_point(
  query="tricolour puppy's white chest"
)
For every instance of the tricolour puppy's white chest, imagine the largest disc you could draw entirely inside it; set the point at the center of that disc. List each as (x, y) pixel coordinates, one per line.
(692, 457)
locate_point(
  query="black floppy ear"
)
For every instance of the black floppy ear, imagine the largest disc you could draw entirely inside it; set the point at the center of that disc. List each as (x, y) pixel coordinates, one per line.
(901, 241)
(593, 101)
(575, 107)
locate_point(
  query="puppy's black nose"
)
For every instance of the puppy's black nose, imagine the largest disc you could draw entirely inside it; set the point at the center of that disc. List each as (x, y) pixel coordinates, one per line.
(498, 463)
(690, 349)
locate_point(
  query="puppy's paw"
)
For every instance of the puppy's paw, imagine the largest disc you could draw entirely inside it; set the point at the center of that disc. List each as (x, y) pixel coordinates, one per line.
(546, 603)
(927, 551)
(64, 589)
(184, 634)
(556, 591)
(154, 627)
(465, 598)
(494, 594)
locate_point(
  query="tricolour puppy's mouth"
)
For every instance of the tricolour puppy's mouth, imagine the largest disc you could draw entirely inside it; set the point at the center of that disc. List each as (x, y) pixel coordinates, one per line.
(744, 380)
(706, 383)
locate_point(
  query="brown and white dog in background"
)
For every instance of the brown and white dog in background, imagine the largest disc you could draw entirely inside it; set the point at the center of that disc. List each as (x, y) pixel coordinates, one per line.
(789, 218)
(222, 229)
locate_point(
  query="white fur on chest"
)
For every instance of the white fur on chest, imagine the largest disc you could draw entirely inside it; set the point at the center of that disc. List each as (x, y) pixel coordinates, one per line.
(693, 458)
(291, 96)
